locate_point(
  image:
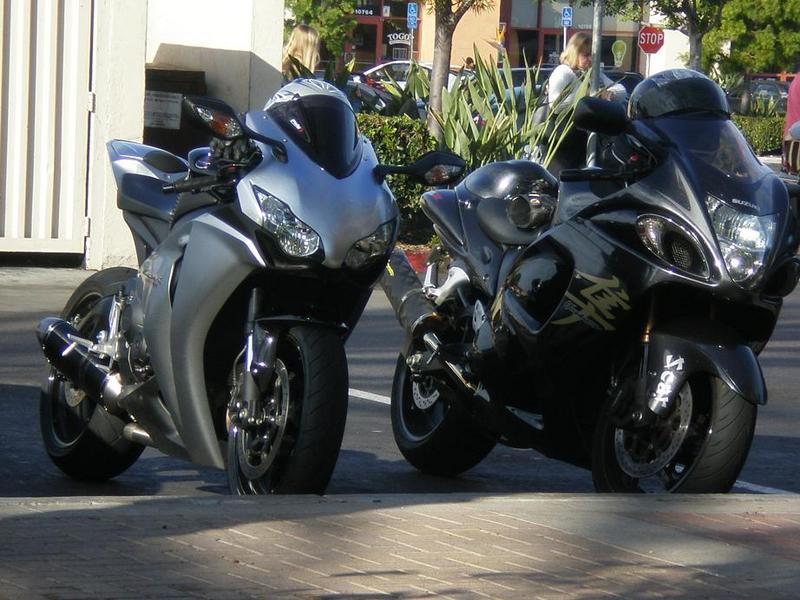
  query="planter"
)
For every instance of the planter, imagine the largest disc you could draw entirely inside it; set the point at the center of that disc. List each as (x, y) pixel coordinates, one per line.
(418, 258)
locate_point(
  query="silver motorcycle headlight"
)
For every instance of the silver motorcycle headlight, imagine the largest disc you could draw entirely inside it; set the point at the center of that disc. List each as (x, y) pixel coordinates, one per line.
(293, 236)
(744, 240)
(371, 247)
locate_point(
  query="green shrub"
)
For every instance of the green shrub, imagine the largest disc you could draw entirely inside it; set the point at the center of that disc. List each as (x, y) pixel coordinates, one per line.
(486, 118)
(764, 134)
(400, 141)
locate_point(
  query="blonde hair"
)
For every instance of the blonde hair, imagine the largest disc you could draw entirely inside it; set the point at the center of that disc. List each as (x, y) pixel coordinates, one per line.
(303, 46)
(579, 43)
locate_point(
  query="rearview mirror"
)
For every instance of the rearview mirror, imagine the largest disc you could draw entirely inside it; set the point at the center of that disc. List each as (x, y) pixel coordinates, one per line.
(216, 115)
(601, 116)
(432, 168)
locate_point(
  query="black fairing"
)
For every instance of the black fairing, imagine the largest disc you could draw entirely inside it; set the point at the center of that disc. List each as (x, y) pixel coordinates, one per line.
(502, 179)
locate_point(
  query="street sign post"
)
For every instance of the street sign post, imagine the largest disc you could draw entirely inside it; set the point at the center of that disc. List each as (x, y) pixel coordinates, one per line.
(411, 23)
(651, 39)
(566, 21)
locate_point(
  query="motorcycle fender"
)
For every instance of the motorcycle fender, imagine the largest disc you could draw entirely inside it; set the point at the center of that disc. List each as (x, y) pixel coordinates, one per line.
(687, 347)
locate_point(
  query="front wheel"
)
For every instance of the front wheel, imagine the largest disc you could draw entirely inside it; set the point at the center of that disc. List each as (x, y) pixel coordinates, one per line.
(700, 448)
(430, 433)
(293, 441)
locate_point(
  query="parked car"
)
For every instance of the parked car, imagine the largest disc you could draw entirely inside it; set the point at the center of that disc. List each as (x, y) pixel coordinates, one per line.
(397, 70)
(741, 98)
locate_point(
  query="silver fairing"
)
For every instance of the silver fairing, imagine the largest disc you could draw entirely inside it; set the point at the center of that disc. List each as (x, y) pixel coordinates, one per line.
(341, 211)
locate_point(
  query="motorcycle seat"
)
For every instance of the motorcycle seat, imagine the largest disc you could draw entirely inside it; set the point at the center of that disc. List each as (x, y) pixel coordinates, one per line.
(493, 220)
(142, 195)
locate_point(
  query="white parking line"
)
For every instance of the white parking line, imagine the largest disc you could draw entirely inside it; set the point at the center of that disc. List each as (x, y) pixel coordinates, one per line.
(370, 396)
(744, 485)
(761, 489)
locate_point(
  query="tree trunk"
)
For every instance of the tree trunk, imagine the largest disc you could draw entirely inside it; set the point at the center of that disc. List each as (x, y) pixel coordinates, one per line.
(440, 72)
(695, 49)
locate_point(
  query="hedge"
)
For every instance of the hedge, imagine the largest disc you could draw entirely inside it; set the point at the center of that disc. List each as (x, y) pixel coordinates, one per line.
(765, 134)
(400, 141)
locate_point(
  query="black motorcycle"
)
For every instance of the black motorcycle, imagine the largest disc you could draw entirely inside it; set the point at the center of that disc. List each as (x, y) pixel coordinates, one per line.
(611, 319)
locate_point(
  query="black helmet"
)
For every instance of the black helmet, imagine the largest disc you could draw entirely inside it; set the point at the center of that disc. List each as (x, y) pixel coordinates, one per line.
(319, 119)
(675, 91)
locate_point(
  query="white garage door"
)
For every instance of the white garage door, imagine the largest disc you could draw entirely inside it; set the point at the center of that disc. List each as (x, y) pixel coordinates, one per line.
(44, 122)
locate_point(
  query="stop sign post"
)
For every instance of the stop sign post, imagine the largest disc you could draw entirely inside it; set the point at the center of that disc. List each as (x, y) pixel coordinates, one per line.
(651, 39)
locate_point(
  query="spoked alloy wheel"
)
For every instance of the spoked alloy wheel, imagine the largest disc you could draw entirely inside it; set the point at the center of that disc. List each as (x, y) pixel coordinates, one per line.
(700, 447)
(291, 441)
(429, 432)
(81, 438)
(255, 446)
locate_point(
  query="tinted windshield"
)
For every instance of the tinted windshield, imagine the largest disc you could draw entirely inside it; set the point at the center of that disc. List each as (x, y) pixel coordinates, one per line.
(715, 143)
(324, 127)
(720, 163)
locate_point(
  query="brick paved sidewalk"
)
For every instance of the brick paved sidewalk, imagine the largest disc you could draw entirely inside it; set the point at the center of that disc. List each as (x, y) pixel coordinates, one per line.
(406, 546)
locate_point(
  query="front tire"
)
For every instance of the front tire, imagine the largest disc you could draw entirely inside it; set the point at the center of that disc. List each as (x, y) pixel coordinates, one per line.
(429, 433)
(294, 450)
(81, 438)
(711, 430)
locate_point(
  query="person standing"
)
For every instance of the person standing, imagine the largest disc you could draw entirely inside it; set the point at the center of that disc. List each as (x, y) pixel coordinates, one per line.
(562, 89)
(790, 148)
(302, 50)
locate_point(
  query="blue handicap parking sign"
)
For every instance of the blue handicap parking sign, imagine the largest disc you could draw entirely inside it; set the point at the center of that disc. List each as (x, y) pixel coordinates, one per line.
(566, 16)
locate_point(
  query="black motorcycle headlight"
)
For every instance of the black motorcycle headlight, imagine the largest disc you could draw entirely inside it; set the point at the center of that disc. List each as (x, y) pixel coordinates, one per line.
(673, 244)
(375, 245)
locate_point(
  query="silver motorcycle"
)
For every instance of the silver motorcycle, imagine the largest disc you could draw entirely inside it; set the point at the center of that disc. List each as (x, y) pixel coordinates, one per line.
(257, 257)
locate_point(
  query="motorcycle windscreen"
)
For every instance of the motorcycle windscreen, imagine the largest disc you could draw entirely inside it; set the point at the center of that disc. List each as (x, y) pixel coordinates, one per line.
(324, 128)
(721, 161)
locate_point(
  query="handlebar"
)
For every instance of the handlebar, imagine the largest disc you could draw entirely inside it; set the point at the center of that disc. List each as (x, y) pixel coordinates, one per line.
(195, 184)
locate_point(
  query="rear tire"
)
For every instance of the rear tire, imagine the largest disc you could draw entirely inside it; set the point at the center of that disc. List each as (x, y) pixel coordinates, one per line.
(83, 439)
(311, 392)
(711, 455)
(436, 440)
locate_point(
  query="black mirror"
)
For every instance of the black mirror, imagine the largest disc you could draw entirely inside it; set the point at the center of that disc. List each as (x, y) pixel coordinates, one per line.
(432, 168)
(601, 116)
(216, 115)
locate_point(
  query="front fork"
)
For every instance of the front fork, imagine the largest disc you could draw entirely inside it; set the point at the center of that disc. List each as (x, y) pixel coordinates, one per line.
(260, 355)
(648, 400)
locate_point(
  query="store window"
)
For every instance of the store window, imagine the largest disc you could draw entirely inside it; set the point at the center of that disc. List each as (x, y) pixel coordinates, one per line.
(396, 41)
(365, 39)
(527, 48)
(619, 52)
(397, 9)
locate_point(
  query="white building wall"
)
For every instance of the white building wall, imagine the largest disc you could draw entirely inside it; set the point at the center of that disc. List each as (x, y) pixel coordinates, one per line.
(120, 31)
(238, 47)
(237, 43)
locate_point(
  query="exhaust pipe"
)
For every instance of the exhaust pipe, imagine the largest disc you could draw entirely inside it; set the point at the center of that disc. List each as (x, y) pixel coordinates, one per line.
(402, 286)
(71, 359)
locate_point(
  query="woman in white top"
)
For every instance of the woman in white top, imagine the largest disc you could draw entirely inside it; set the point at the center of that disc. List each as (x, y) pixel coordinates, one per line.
(562, 88)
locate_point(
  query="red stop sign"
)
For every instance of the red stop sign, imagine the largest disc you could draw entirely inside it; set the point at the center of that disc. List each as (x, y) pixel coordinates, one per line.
(651, 39)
